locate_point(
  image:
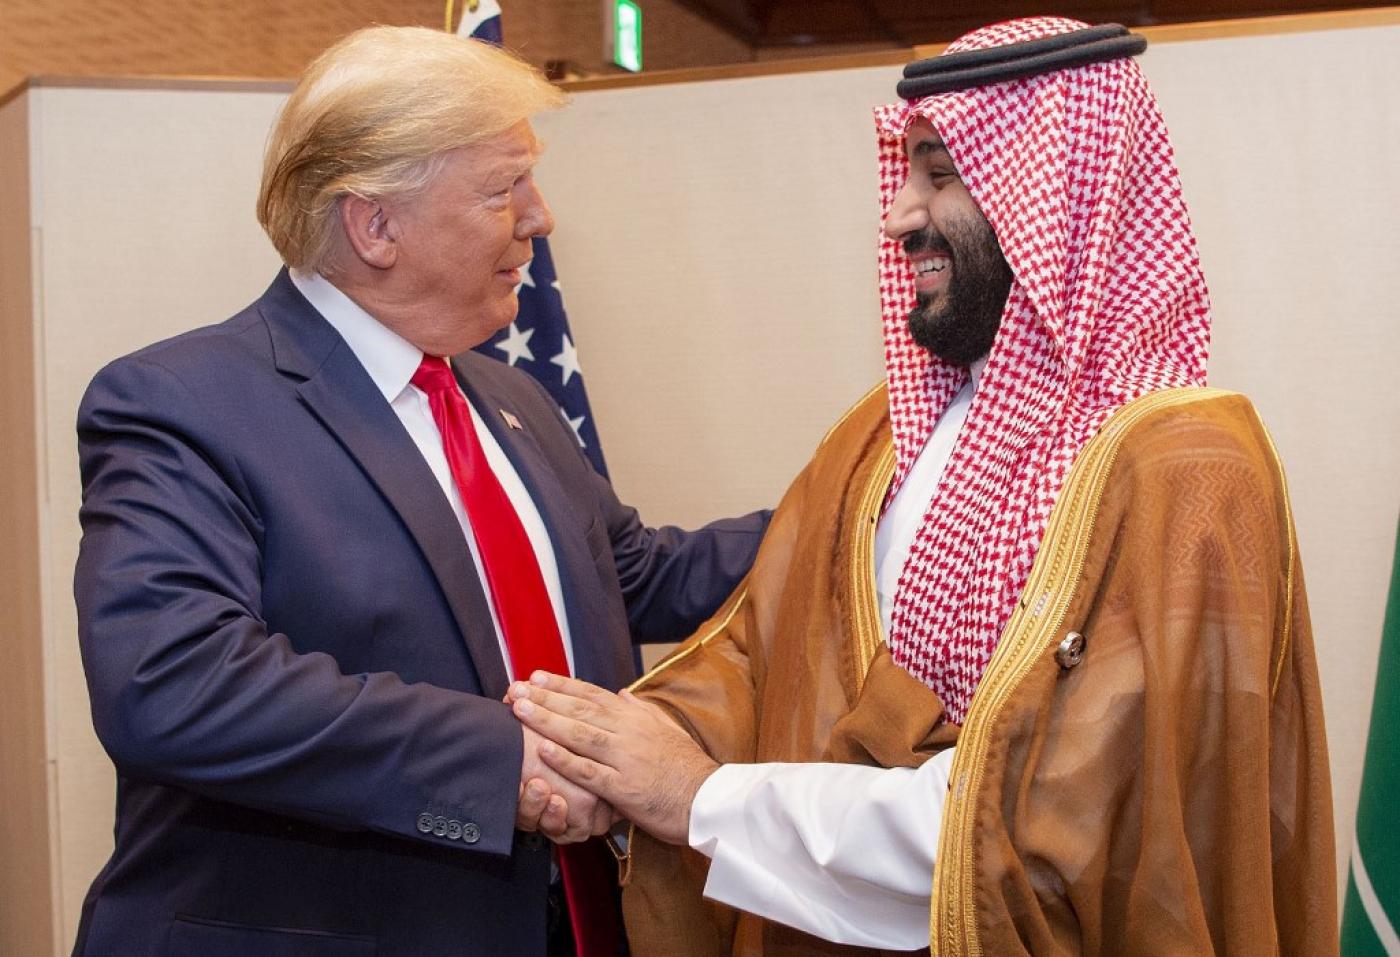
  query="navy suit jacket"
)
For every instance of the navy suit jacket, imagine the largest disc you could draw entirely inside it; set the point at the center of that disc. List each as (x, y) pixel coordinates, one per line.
(290, 657)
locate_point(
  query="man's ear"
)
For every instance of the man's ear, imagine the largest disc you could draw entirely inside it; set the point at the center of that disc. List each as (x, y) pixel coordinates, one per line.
(369, 230)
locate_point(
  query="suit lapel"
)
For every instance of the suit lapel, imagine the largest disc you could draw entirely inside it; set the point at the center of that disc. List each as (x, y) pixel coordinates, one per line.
(592, 643)
(345, 399)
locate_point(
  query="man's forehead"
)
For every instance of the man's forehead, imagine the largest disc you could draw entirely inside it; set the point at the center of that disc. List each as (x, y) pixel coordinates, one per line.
(921, 138)
(516, 147)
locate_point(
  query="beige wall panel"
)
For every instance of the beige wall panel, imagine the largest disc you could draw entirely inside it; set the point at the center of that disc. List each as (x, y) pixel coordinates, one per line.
(26, 919)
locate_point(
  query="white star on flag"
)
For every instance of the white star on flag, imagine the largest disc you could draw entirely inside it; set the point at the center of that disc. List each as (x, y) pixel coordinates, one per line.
(525, 278)
(575, 424)
(568, 360)
(516, 345)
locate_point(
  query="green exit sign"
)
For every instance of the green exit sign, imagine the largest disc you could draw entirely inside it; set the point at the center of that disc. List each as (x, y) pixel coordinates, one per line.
(627, 35)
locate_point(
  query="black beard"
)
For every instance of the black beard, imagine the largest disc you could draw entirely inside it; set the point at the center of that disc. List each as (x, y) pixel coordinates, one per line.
(960, 324)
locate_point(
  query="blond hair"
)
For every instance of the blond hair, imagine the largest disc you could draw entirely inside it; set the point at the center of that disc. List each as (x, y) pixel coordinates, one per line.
(373, 116)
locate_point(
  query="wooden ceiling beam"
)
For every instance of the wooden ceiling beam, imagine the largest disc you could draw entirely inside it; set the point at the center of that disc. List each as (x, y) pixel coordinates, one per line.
(737, 25)
(907, 23)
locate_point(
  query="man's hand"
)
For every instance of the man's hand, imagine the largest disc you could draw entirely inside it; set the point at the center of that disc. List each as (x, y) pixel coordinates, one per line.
(625, 750)
(552, 805)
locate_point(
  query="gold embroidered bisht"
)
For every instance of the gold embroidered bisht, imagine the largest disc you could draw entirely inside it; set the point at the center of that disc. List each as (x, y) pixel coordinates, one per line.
(1167, 794)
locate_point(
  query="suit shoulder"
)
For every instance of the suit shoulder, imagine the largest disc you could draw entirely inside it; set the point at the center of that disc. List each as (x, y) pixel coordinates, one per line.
(476, 366)
(244, 332)
(200, 360)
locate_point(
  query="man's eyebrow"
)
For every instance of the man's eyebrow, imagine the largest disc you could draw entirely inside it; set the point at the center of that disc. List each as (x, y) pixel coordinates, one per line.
(927, 148)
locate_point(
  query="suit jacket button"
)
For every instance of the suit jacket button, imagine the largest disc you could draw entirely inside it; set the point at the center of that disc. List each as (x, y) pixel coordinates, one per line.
(454, 830)
(439, 826)
(425, 823)
(471, 833)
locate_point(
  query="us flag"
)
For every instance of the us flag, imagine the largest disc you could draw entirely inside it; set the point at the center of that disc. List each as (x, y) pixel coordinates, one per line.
(539, 340)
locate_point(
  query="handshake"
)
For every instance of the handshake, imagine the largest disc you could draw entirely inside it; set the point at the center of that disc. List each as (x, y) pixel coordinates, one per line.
(593, 757)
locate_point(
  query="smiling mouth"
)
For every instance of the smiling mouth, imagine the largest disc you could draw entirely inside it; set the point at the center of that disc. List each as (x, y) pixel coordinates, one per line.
(930, 265)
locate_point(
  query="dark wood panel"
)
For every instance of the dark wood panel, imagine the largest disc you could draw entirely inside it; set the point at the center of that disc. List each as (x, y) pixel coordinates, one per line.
(814, 23)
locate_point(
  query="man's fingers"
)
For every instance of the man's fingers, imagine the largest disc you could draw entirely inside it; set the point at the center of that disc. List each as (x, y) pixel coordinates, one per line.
(554, 822)
(601, 710)
(572, 687)
(581, 709)
(579, 808)
(603, 816)
(575, 735)
(534, 798)
(593, 777)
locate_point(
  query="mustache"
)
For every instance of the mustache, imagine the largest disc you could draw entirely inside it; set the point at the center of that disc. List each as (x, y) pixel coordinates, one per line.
(927, 240)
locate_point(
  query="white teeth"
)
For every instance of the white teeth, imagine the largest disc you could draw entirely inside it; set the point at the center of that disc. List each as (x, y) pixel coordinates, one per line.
(930, 265)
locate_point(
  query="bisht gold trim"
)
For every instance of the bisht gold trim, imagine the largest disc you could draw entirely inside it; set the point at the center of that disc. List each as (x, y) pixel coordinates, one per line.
(736, 602)
(1285, 639)
(866, 630)
(859, 404)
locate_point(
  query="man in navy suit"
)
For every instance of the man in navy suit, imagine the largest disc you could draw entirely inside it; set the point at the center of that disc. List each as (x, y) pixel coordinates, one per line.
(295, 617)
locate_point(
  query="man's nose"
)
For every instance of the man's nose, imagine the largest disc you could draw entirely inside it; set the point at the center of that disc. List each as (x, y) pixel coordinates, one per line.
(906, 215)
(536, 219)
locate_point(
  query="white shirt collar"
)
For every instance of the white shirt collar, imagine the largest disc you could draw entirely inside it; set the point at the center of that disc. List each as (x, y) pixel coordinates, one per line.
(388, 357)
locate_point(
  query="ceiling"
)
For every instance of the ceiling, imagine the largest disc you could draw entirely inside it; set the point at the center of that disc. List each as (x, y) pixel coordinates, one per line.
(905, 23)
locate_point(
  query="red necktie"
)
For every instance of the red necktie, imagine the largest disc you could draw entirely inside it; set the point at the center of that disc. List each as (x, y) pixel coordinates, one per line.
(527, 621)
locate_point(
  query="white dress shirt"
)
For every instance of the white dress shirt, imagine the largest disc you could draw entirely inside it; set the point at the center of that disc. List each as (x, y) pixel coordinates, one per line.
(844, 852)
(391, 361)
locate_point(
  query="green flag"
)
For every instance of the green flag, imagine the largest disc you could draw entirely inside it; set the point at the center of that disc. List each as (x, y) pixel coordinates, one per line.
(1371, 917)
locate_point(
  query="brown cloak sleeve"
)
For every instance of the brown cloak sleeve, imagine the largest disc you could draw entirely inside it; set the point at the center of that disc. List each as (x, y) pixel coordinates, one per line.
(793, 668)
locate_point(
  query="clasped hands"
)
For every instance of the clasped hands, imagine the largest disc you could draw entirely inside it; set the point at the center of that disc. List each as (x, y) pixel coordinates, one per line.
(593, 757)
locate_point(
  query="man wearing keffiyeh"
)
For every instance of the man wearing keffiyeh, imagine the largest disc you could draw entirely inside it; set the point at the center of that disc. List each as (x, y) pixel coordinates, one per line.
(1027, 641)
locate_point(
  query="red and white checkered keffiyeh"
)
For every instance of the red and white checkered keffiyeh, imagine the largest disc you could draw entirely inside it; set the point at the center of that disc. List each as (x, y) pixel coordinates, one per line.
(1074, 172)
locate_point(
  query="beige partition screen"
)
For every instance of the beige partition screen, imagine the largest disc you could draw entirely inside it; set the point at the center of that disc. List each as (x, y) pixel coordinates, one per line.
(716, 247)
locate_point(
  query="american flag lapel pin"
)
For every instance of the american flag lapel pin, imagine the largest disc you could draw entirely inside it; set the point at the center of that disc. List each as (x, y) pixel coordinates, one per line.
(512, 421)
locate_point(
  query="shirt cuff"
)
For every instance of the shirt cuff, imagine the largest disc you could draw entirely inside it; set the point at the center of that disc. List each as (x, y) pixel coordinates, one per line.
(844, 852)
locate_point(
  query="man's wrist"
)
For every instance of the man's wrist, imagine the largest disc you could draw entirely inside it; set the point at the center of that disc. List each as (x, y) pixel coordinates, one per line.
(703, 772)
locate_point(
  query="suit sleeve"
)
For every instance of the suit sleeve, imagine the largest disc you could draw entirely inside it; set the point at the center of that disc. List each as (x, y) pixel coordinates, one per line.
(672, 579)
(189, 686)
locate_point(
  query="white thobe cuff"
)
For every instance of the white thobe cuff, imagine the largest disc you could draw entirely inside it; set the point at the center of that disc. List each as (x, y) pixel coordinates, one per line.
(841, 851)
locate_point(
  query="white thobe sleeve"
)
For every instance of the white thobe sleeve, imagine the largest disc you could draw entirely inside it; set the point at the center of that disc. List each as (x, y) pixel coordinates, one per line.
(842, 851)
